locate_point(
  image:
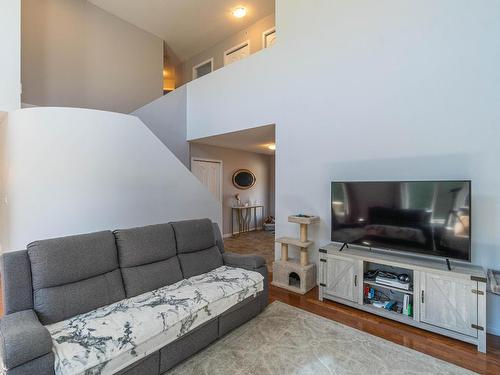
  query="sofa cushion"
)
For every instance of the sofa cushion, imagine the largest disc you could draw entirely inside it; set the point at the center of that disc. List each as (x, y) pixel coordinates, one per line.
(194, 235)
(142, 279)
(147, 257)
(193, 264)
(149, 244)
(198, 246)
(75, 274)
(65, 260)
(67, 300)
(126, 331)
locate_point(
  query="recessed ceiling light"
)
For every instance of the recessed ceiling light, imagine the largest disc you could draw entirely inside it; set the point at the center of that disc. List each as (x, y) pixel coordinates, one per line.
(240, 12)
(272, 146)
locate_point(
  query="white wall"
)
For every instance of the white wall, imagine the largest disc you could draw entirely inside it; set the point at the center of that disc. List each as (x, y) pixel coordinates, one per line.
(371, 90)
(73, 171)
(166, 117)
(75, 54)
(3, 183)
(232, 160)
(10, 55)
(236, 97)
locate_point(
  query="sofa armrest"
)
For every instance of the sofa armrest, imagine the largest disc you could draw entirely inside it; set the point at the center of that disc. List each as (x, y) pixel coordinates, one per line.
(249, 262)
(22, 339)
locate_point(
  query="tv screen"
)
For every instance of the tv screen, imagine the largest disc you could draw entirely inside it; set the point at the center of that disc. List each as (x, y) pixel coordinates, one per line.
(424, 217)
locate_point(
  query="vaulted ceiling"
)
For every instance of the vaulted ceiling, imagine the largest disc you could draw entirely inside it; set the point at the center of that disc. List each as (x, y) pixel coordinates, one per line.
(187, 26)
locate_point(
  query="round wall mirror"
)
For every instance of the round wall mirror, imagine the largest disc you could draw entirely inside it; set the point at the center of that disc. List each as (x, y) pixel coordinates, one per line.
(243, 179)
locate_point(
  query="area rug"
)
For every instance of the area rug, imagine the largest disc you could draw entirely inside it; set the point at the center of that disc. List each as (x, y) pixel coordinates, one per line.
(285, 340)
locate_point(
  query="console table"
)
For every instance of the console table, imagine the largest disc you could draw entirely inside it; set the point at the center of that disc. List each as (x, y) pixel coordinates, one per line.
(244, 217)
(451, 303)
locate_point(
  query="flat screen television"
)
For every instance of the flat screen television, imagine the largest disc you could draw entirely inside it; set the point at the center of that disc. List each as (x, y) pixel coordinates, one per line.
(423, 217)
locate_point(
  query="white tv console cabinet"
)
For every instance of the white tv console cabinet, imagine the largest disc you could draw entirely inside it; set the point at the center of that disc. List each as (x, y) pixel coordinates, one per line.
(451, 303)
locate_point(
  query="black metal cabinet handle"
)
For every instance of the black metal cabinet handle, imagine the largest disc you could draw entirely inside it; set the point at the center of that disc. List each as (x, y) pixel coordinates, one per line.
(355, 280)
(422, 296)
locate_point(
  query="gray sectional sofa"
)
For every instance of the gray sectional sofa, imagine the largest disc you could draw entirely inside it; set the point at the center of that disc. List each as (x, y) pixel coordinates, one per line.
(133, 301)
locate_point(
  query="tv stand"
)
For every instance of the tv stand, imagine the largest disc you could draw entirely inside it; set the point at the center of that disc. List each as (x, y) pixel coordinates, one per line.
(445, 300)
(448, 264)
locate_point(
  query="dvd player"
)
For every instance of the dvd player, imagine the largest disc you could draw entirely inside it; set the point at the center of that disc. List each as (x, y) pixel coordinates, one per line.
(392, 282)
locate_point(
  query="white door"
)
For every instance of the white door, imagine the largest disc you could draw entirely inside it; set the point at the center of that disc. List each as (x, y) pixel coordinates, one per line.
(342, 279)
(236, 53)
(209, 172)
(449, 303)
(269, 38)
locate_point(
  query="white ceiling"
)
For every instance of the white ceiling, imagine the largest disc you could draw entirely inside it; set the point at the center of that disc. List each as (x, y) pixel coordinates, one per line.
(187, 26)
(253, 140)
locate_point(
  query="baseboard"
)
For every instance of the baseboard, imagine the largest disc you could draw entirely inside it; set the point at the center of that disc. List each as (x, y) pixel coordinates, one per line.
(493, 331)
(227, 235)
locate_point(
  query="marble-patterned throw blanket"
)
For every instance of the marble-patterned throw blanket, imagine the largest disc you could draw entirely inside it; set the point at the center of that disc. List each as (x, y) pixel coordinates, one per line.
(111, 338)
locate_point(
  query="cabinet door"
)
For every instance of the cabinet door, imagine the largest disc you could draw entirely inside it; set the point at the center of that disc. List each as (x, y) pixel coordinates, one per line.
(449, 303)
(341, 278)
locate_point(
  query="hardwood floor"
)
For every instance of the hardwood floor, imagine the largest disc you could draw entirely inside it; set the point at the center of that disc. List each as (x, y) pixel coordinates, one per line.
(256, 242)
(450, 350)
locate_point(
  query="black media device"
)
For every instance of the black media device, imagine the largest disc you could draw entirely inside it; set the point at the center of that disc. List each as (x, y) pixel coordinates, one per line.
(430, 218)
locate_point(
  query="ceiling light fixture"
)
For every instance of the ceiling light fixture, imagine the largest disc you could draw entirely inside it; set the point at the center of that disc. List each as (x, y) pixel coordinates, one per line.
(272, 146)
(240, 12)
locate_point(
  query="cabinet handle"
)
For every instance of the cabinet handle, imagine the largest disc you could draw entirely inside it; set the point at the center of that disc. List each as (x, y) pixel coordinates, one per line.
(355, 280)
(422, 296)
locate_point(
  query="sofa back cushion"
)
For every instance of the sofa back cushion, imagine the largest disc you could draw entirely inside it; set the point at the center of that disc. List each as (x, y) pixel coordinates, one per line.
(73, 275)
(148, 258)
(197, 246)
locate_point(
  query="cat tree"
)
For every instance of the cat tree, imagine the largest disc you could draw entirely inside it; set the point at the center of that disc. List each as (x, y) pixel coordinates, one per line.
(297, 275)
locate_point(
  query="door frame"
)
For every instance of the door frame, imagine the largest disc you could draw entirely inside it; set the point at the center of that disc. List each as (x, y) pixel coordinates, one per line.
(221, 189)
(265, 34)
(195, 71)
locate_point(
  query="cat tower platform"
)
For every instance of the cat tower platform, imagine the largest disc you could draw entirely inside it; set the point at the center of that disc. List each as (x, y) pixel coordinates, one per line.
(297, 275)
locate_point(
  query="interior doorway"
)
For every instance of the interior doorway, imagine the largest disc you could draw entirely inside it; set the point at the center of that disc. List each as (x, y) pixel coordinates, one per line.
(248, 186)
